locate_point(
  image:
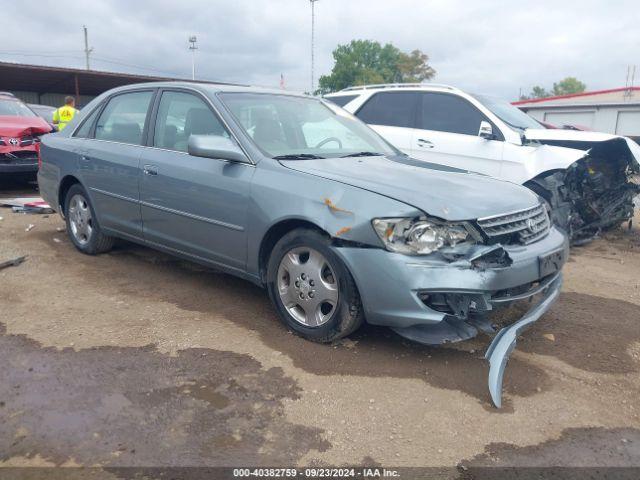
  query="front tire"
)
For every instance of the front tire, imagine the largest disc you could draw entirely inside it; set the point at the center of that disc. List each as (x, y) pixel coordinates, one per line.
(82, 224)
(311, 288)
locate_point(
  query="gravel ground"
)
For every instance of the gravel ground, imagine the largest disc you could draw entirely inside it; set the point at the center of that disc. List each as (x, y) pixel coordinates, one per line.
(134, 358)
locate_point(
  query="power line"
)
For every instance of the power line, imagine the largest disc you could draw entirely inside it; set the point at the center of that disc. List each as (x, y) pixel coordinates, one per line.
(102, 59)
(132, 65)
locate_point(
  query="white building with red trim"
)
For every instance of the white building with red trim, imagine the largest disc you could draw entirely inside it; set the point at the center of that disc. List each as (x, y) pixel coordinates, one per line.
(616, 110)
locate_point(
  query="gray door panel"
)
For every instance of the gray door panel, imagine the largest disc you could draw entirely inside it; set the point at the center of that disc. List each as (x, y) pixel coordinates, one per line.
(196, 205)
(111, 171)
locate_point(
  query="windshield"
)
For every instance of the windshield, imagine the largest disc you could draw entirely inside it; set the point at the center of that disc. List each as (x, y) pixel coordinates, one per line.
(506, 112)
(14, 108)
(284, 126)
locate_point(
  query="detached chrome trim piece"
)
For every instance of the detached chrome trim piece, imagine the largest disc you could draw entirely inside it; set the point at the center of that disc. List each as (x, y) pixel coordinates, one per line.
(505, 341)
(213, 221)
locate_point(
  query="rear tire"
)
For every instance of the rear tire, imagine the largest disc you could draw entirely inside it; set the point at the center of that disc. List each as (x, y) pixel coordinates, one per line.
(82, 224)
(311, 288)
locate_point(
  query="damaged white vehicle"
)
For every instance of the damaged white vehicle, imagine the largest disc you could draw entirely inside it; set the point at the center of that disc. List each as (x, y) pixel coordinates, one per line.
(588, 179)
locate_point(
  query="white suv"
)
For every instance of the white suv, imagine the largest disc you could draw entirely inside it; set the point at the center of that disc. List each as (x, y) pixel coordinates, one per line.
(588, 179)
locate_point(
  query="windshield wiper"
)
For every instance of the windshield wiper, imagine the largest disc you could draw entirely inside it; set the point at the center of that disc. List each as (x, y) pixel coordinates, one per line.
(363, 154)
(297, 156)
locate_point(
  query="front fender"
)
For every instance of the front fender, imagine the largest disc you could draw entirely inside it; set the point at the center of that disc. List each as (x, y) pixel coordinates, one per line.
(343, 211)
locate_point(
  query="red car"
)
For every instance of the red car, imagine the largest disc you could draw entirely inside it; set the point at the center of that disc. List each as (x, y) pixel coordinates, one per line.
(20, 131)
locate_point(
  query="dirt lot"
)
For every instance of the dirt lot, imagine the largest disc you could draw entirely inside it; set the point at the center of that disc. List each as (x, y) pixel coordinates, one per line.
(136, 358)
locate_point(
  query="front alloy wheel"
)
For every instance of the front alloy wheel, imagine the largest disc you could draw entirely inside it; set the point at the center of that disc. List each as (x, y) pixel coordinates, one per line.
(307, 286)
(312, 288)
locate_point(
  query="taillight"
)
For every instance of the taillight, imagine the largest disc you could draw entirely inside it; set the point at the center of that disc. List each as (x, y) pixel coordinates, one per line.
(37, 145)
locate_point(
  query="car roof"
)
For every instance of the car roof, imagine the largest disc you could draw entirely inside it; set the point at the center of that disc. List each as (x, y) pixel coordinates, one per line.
(436, 87)
(210, 88)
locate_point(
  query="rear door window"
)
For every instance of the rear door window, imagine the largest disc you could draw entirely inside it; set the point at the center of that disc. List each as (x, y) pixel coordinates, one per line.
(124, 117)
(393, 109)
(449, 113)
(181, 115)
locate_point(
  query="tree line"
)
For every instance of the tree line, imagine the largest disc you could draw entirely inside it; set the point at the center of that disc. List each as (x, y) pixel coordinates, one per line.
(365, 62)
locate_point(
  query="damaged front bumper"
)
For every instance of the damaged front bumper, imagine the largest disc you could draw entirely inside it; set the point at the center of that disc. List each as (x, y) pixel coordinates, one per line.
(433, 300)
(505, 341)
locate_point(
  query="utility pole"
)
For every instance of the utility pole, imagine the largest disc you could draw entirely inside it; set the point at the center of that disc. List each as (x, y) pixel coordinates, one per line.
(313, 39)
(87, 50)
(193, 47)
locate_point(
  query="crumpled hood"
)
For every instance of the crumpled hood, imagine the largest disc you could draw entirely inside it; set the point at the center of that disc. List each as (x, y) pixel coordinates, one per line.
(11, 126)
(443, 192)
(596, 143)
(566, 135)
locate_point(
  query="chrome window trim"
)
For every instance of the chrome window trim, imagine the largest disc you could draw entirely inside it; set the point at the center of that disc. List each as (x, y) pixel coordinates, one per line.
(161, 89)
(215, 110)
(165, 150)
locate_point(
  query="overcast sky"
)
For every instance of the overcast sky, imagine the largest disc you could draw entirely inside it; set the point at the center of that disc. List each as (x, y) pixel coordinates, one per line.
(488, 46)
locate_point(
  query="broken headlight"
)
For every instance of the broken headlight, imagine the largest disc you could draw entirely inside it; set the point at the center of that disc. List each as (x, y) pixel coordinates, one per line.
(418, 236)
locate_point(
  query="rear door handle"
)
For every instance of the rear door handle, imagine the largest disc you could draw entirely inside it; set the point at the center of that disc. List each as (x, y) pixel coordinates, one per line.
(425, 143)
(150, 170)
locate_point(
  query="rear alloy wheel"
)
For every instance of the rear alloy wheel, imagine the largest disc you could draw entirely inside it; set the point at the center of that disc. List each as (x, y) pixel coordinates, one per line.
(80, 220)
(311, 287)
(82, 224)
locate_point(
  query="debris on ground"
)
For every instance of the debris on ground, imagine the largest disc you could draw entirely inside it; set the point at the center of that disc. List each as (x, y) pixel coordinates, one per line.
(12, 263)
(27, 205)
(30, 227)
(549, 336)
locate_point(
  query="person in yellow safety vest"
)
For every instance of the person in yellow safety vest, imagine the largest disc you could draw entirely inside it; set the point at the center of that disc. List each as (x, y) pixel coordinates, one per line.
(65, 114)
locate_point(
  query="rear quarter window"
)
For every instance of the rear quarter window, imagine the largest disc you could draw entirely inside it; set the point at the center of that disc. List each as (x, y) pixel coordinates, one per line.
(123, 119)
(342, 100)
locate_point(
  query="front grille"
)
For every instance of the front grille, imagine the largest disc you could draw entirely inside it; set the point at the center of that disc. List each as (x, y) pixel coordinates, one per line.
(523, 226)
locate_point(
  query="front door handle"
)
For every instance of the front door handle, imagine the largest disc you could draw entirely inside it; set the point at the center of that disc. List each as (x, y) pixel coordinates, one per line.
(150, 170)
(85, 161)
(425, 143)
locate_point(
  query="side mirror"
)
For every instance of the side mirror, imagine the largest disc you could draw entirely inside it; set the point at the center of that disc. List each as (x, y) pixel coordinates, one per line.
(215, 146)
(486, 131)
